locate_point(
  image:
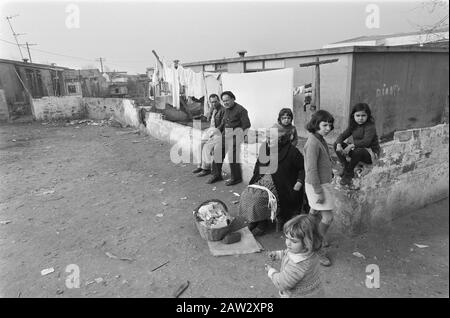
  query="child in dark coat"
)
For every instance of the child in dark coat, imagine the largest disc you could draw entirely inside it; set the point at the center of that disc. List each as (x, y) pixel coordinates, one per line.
(365, 147)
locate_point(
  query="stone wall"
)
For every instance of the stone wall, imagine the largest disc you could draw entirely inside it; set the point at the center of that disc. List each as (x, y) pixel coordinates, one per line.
(186, 139)
(411, 173)
(52, 107)
(121, 109)
(74, 107)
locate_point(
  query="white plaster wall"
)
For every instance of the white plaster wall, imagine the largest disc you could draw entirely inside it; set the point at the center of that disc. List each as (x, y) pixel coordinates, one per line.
(122, 110)
(58, 107)
(412, 172)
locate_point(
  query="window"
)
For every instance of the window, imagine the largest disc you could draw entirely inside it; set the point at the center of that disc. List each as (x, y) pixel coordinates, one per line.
(222, 67)
(258, 66)
(254, 66)
(209, 68)
(72, 89)
(273, 64)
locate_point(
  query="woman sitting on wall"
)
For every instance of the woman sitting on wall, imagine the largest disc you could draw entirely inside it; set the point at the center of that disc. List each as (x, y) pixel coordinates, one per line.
(278, 183)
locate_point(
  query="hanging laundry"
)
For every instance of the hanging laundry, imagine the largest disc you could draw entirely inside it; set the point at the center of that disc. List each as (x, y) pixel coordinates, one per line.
(307, 88)
(213, 85)
(171, 76)
(195, 85)
(263, 94)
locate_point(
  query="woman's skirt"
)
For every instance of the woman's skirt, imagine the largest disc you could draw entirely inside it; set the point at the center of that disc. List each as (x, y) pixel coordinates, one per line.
(328, 203)
(253, 203)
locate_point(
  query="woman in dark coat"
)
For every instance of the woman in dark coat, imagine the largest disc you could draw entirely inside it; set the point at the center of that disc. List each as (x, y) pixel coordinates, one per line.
(285, 184)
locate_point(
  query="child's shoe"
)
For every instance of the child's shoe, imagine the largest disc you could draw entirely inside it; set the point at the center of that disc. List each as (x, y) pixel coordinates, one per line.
(323, 259)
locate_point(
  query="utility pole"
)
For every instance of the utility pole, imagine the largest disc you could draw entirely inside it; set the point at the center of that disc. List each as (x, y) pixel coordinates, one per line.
(14, 33)
(101, 59)
(28, 49)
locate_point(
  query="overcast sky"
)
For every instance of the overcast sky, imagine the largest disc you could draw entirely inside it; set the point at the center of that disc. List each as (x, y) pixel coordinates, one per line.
(124, 33)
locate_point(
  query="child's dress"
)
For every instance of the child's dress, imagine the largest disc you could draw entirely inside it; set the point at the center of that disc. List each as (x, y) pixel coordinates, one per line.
(299, 275)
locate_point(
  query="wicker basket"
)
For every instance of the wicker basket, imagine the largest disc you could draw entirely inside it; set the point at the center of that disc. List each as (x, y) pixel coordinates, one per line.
(211, 234)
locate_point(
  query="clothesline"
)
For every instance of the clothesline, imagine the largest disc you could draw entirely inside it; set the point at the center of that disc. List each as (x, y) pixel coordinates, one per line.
(195, 82)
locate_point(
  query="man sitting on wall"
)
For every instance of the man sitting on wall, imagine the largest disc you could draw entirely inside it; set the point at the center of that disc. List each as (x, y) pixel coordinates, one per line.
(233, 128)
(215, 116)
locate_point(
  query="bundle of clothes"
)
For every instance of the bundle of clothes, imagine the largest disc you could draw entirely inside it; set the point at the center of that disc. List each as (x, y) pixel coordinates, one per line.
(213, 215)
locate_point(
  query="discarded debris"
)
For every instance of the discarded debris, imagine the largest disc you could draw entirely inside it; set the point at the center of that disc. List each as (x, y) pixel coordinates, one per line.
(99, 280)
(183, 198)
(181, 289)
(48, 192)
(110, 255)
(164, 203)
(59, 292)
(235, 202)
(5, 222)
(160, 266)
(128, 132)
(159, 215)
(136, 141)
(214, 189)
(236, 194)
(358, 254)
(421, 245)
(47, 271)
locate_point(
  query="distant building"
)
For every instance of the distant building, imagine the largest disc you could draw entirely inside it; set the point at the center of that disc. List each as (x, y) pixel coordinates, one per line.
(72, 82)
(22, 81)
(439, 36)
(93, 83)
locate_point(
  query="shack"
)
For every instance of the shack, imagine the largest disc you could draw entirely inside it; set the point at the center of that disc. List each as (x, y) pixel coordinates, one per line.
(22, 81)
(406, 86)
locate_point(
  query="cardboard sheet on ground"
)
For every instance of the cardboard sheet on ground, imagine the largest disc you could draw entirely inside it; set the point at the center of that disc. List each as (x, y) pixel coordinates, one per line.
(246, 245)
(263, 94)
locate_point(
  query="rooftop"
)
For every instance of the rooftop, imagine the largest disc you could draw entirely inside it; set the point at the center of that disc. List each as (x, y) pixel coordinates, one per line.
(393, 35)
(326, 51)
(36, 65)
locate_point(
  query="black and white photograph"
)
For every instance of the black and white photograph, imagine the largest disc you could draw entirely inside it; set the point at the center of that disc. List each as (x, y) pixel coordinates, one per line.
(246, 151)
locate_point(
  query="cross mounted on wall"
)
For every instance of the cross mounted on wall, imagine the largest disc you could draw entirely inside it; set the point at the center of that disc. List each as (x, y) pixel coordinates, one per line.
(317, 63)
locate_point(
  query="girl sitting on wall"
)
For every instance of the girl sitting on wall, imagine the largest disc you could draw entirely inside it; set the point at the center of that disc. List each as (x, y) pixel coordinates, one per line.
(365, 146)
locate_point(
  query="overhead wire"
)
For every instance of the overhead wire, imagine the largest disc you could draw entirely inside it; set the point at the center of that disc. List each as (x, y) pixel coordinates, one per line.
(71, 56)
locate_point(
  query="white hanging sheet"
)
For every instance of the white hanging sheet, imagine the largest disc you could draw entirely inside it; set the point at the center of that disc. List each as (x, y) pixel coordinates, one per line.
(263, 94)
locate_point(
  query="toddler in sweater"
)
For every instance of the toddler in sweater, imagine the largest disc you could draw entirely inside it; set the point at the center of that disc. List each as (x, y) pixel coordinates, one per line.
(299, 275)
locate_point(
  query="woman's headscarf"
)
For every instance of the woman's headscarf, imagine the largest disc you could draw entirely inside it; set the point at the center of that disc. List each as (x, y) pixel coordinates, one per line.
(284, 140)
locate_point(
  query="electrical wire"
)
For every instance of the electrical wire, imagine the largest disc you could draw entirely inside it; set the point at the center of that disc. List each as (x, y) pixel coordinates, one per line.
(68, 56)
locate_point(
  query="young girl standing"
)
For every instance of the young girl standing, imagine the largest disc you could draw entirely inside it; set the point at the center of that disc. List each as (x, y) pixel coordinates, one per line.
(285, 118)
(319, 173)
(365, 147)
(299, 275)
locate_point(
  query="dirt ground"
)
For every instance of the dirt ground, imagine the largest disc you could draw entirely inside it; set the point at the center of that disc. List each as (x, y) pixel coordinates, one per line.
(76, 194)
